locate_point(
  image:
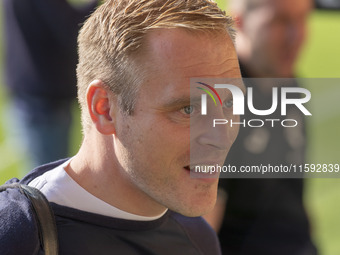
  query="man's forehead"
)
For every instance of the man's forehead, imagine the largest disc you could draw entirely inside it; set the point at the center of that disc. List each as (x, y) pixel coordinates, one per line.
(189, 54)
(213, 85)
(181, 41)
(173, 56)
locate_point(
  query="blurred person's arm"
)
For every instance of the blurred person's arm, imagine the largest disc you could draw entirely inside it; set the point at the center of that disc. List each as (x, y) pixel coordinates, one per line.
(64, 17)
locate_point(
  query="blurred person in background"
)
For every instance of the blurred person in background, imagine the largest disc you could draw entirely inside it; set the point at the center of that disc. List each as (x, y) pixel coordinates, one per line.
(40, 63)
(266, 216)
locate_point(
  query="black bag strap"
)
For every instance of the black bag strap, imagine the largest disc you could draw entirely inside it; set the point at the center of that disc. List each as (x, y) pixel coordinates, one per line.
(46, 222)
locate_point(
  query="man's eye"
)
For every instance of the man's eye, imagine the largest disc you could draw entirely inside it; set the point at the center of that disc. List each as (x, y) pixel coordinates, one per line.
(188, 109)
(229, 103)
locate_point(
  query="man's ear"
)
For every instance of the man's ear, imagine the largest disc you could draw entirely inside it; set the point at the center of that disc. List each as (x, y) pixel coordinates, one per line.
(101, 105)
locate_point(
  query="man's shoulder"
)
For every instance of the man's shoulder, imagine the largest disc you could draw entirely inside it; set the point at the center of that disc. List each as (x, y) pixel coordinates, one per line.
(18, 228)
(41, 170)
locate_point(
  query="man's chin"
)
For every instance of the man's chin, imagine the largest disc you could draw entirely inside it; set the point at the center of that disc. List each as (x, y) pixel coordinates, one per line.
(200, 208)
(197, 212)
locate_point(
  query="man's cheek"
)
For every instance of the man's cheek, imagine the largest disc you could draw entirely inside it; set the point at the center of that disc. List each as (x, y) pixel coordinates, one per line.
(234, 133)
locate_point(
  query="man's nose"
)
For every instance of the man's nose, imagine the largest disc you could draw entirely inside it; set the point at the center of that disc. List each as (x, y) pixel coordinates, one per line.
(215, 135)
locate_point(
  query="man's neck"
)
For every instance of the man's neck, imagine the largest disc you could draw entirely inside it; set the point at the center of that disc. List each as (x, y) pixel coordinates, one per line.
(99, 173)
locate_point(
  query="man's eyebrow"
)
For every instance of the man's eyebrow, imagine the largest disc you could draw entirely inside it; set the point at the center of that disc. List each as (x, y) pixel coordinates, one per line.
(181, 101)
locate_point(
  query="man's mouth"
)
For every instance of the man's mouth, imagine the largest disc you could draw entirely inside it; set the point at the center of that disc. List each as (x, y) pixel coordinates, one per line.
(187, 168)
(200, 172)
(190, 168)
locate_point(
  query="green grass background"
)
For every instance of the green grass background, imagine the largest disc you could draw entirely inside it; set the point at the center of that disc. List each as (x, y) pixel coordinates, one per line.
(320, 59)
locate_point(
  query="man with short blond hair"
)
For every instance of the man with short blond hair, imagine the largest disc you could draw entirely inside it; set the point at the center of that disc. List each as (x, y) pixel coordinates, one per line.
(128, 190)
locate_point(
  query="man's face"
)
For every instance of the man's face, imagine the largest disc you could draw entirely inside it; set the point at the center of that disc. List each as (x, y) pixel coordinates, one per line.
(153, 144)
(276, 31)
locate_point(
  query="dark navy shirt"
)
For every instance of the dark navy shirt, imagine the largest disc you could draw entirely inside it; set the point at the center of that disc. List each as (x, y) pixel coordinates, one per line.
(84, 233)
